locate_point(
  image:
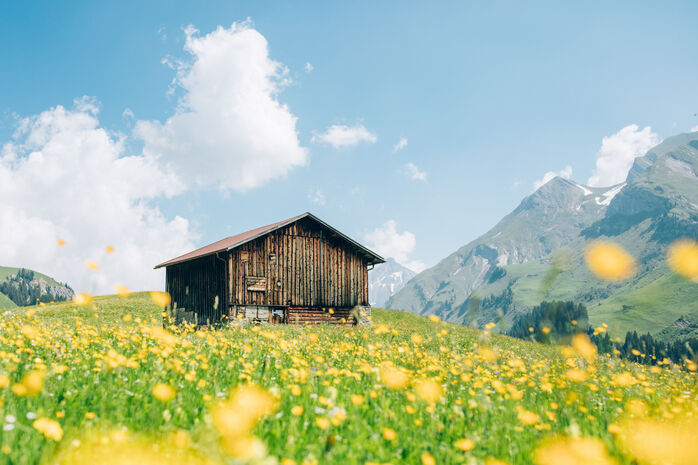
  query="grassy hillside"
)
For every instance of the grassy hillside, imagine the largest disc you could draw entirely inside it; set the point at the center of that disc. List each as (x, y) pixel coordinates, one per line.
(107, 384)
(7, 271)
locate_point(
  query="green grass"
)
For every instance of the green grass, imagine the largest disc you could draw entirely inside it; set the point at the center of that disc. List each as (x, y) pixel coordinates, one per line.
(100, 369)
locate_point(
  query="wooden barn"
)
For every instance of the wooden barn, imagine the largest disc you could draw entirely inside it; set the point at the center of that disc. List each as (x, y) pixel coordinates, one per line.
(300, 270)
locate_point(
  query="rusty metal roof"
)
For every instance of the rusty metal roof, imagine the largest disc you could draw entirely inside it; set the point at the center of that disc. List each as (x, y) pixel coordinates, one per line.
(232, 242)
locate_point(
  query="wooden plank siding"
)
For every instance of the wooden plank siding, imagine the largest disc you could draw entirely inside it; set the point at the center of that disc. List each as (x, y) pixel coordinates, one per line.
(303, 267)
(199, 286)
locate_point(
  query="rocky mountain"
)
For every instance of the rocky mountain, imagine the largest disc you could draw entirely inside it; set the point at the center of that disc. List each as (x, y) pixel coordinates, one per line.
(22, 287)
(385, 280)
(536, 252)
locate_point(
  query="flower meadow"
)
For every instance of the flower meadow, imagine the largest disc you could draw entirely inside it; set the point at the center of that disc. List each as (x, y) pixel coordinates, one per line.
(107, 383)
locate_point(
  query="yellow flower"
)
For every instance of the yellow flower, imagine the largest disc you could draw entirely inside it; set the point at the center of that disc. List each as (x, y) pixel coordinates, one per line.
(394, 377)
(389, 434)
(625, 379)
(434, 319)
(661, 442)
(161, 299)
(528, 418)
(4, 381)
(577, 375)
(121, 290)
(32, 383)
(545, 330)
(609, 261)
(60, 242)
(465, 444)
(287, 461)
(83, 299)
(357, 399)
(109, 249)
(682, 257)
(239, 414)
(91, 265)
(572, 451)
(428, 390)
(490, 325)
(584, 347)
(180, 439)
(322, 422)
(416, 338)
(297, 410)
(49, 428)
(428, 459)
(164, 392)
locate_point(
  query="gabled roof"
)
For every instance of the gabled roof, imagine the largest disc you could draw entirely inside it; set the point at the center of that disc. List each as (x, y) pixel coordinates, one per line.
(232, 242)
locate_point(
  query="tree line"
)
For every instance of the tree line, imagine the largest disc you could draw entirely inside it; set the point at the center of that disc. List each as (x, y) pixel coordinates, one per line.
(556, 322)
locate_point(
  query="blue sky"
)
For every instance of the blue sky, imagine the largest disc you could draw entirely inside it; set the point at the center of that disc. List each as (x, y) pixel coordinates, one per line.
(488, 95)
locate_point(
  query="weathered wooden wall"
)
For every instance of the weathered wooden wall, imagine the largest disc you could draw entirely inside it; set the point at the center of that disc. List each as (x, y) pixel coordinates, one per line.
(199, 286)
(300, 265)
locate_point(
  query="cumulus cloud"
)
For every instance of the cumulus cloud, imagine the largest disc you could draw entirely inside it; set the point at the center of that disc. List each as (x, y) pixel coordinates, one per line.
(308, 67)
(317, 197)
(229, 130)
(390, 243)
(341, 136)
(62, 176)
(415, 173)
(563, 173)
(617, 153)
(401, 144)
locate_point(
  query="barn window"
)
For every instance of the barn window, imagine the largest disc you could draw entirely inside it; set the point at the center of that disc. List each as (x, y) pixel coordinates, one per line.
(256, 283)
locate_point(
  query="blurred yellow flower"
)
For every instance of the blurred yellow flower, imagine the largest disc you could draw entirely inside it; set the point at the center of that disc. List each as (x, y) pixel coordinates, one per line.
(357, 399)
(297, 410)
(661, 442)
(239, 414)
(572, 451)
(161, 299)
(389, 434)
(528, 418)
(428, 459)
(60, 242)
(434, 318)
(32, 383)
(83, 299)
(121, 290)
(394, 377)
(428, 390)
(584, 347)
(109, 249)
(164, 392)
(682, 257)
(464, 444)
(49, 428)
(91, 265)
(322, 422)
(609, 261)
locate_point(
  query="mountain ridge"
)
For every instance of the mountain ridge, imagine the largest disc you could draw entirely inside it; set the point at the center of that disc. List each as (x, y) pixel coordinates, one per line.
(657, 204)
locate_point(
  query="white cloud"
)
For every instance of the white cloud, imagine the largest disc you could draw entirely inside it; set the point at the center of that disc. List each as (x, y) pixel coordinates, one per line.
(389, 243)
(341, 136)
(617, 153)
(415, 173)
(308, 67)
(127, 114)
(62, 176)
(401, 144)
(317, 197)
(694, 129)
(229, 129)
(565, 173)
